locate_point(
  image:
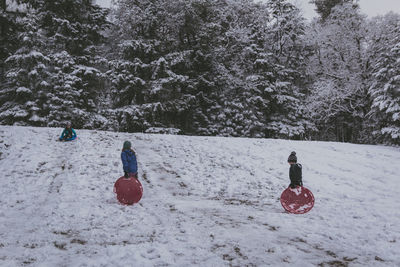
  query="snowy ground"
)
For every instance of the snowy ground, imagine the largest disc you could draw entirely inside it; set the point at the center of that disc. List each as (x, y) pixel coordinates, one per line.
(207, 202)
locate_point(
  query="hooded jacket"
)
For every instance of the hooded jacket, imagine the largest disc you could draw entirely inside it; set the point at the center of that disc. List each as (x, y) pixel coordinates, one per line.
(129, 162)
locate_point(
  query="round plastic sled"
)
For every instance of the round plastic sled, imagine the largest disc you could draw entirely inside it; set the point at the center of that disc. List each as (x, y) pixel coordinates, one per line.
(297, 200)
(128, 190)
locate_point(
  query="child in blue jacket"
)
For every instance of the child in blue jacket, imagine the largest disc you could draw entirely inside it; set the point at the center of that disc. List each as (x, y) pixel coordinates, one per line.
(129, 162)
(68, 134)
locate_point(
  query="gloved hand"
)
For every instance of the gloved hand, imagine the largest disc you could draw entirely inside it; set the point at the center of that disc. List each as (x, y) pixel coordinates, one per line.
(126, 175)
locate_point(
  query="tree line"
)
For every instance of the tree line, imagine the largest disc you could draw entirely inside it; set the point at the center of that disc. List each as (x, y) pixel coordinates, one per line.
(204, 67)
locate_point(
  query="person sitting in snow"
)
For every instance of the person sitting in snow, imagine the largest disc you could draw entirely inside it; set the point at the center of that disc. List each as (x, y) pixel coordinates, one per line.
(129, 162)
(294, 171)
(68, 133)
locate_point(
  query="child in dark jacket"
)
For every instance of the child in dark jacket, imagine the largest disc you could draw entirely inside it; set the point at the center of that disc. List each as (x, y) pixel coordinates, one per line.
(129, 162)
(295, 174)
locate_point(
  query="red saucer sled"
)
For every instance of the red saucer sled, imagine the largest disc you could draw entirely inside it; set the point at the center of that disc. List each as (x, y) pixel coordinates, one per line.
(297, 200)
(128, 190)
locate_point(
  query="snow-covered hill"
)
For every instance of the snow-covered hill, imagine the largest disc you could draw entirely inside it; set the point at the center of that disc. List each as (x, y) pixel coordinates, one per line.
(207, 201)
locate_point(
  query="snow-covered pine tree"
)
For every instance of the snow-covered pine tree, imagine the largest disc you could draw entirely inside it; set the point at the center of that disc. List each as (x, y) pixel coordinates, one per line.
(70, 30)
(157, 61)
(70, 25)
(385, 81)
(23, 95)
(283, 68)
(73, 96)
(201, 30)
(239, 108)
(9, 28)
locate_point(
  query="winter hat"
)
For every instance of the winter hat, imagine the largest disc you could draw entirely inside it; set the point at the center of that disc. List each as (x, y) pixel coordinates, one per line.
(127, 145)
(68, 124)
(292, 157)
